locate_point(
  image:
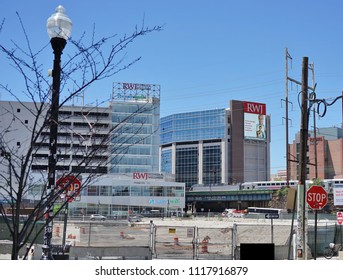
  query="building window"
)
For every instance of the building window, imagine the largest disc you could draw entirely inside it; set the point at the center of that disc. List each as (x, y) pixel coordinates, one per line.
(104, 190)
(187, 165)
(92, 191)
(211, 164)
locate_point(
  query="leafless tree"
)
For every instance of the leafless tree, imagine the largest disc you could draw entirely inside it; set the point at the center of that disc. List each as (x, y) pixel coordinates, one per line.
(83, 65)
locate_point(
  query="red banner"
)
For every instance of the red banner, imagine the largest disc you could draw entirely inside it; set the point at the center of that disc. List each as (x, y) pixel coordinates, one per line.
(254, 108)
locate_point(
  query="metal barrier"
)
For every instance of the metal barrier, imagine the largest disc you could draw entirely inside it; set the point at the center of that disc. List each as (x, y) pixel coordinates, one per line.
(183, 242)
(173, 242)
(176, 241)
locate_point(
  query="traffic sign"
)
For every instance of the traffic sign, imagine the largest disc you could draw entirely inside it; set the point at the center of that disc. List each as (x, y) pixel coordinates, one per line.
(70, 186)
(339, 217)
(316, 197)
(272, 216)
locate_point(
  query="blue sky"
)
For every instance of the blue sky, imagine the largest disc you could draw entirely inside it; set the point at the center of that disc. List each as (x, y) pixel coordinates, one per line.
(209, 52)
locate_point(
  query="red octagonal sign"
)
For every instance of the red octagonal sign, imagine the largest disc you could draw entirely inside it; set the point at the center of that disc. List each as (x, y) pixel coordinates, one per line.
(316, 197)
(70, 186)
(339, 216)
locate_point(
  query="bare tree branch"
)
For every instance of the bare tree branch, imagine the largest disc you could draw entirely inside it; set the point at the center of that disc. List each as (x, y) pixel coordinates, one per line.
(99, 59)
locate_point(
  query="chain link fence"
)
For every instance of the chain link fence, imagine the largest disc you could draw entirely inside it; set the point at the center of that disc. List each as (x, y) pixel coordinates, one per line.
(166, 242)
(173, 241)
(192, 242)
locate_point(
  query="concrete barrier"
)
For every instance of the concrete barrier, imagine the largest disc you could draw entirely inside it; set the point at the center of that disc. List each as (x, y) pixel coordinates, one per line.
(122, 252)
(340, 255)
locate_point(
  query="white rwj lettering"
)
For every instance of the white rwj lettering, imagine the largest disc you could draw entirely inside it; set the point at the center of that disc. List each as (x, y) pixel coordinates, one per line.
(255, 108)
(139, 176)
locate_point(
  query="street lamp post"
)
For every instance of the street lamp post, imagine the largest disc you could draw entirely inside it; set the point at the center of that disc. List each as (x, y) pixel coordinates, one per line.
(59, 29)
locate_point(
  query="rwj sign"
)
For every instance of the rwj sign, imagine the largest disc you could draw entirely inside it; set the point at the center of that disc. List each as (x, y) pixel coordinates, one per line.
(255, 125)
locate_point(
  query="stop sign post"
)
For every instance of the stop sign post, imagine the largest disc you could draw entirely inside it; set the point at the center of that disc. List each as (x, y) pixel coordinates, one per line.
(316, 197)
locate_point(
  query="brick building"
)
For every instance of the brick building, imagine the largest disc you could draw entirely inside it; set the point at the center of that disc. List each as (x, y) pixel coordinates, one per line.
(325, 152)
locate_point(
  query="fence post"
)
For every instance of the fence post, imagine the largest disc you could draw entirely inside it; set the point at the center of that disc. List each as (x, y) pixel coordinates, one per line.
(152, 237)
(89, 235)
(234, 241)
(194, 242)
(197, 244)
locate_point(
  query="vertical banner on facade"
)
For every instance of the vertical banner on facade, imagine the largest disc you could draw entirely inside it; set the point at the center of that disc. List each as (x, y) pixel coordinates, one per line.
(255, 121)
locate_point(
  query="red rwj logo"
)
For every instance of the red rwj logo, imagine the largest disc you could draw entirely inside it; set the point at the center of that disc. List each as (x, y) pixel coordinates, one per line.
(140, 176)
(254, 108)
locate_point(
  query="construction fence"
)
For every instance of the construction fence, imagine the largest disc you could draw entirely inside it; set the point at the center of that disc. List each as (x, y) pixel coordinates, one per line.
(192, 242)
(166, 242)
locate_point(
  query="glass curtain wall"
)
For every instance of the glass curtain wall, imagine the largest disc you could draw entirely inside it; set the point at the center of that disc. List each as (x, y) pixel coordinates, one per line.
(211, 165)
(187, 166)
(135, 139)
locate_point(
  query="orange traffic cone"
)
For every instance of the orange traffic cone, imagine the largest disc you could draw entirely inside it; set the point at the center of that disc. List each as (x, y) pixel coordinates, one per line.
(204, 248)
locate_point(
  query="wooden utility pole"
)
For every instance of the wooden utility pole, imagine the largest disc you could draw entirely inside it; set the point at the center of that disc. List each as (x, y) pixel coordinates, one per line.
(311, 66)
(302, 217)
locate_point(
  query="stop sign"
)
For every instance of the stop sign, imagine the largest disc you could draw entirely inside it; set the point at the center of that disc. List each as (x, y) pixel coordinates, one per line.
(316, 197)
(339, 217)
(70, 186)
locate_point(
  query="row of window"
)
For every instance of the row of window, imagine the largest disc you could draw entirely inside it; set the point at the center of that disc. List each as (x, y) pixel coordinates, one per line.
(125, 160)
(187, 161)
(115, 169)
(133, 191)
(88, 114)
(75, 169)
(131, 140)
(192, 134)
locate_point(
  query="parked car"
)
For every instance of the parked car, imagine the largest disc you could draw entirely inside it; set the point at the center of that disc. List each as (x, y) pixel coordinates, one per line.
(135, 218)
(97, 217)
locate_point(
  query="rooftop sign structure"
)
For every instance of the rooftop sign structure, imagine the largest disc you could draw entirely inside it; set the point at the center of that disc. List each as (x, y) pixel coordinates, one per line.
(132, 91)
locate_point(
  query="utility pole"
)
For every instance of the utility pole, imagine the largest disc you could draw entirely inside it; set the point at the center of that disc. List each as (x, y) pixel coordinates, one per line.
(311, 67)
(315, 144)
(287, 137)
(299, 196)
(302, 217)
(287, 56)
